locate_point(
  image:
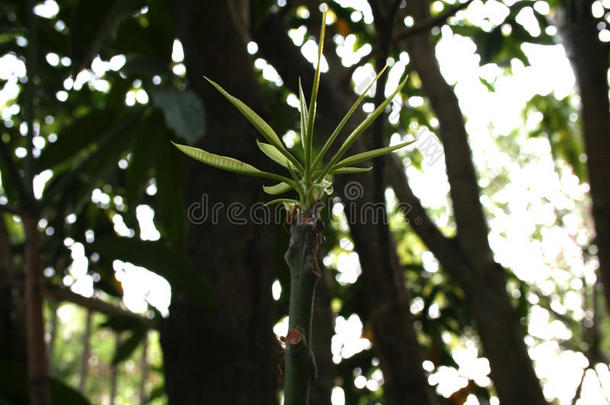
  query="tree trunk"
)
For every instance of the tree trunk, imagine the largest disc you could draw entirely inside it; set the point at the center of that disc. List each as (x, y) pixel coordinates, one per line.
(589, 58)
(38, 370)
(84, 361)
(227, 354)
(482, 280)
(12, 330)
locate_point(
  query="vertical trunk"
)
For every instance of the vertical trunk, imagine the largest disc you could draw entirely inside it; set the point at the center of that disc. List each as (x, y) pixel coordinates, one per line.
(302, 259)
(227, 354)
(84, 361)
(589, 58)
(484, 285)
(52, 334)
(144, 371)
(114, 371)
(38, 373)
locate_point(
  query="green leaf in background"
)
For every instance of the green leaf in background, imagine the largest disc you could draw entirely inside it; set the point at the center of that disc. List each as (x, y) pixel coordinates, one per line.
(157, 257)
(183, 111)
(72, 139)
(126, 347)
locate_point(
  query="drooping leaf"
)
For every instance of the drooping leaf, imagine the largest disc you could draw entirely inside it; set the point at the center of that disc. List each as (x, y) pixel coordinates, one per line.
(126, 347)
(183, 111)
(122, 323)
(368, 155)
(279, 188)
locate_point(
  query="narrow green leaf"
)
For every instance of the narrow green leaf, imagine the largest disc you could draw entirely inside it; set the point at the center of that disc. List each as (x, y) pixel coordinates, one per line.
(368, 155)
(266, 131)
(228, 164)
(272, 153)
(304, 115)
(279, 188)
(364, 125)
(314, 96)
(350, 170)
(218, 161)
(283, 200)
(347, 116)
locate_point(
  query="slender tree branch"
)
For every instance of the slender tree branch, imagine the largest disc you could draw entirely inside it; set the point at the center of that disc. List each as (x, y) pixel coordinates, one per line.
(58, 293)
(427, 25)
(13, 209)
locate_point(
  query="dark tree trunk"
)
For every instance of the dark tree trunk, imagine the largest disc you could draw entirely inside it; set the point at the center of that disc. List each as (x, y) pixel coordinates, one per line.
(227, 354)
(589, 58)
(12, 329)
(38, 369)
(482, 280)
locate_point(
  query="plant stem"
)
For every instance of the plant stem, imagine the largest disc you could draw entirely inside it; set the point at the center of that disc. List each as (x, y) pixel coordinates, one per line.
(305, 239)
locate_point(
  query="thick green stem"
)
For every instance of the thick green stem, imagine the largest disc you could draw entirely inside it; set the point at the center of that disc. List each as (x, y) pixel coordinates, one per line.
(305, 238)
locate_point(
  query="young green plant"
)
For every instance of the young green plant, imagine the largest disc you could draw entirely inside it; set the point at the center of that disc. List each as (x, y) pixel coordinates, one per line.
(310, 178)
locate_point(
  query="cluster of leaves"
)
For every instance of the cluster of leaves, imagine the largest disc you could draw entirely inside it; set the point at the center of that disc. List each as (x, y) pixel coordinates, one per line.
(308, 177)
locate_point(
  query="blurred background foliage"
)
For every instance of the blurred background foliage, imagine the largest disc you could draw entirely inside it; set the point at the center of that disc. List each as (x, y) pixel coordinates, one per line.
(109, 92)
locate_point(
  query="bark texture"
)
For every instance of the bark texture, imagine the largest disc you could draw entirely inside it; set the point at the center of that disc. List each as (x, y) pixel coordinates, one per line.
(227, 354)
(589, 59)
